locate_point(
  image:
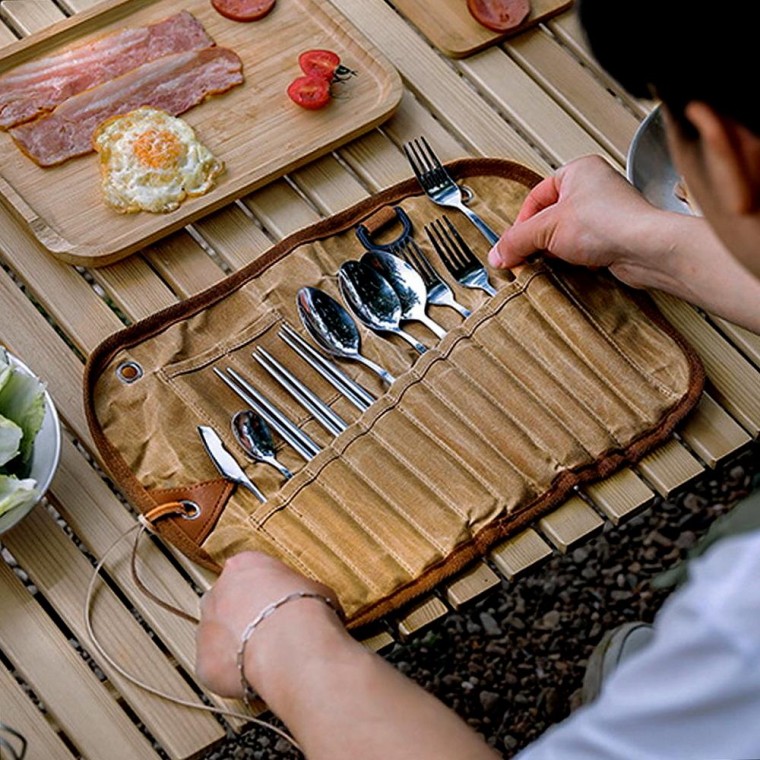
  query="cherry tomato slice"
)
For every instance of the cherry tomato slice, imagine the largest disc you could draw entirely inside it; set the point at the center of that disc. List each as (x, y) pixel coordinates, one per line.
(243, 10)
(312, 92)
(319, 63)
(499, 15)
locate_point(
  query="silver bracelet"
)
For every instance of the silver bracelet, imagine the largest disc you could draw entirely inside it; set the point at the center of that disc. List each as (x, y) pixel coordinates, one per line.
(248, 693)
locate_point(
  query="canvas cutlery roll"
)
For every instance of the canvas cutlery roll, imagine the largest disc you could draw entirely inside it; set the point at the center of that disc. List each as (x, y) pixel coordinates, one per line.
(560, 378)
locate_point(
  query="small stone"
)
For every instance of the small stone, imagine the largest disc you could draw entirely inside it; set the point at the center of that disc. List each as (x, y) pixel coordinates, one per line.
(509, 742)
(490, 626)
(282, 746)
(472, 627)
(489, 700)
(550, 620)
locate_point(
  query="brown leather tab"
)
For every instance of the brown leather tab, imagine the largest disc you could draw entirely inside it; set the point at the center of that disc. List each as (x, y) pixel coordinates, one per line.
(211, 497)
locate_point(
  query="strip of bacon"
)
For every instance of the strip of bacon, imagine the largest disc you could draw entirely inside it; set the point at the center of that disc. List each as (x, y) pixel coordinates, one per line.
(38, 86)
(174, 83)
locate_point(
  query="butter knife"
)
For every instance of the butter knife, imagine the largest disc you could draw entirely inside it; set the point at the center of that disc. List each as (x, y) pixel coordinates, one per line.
(225, 462)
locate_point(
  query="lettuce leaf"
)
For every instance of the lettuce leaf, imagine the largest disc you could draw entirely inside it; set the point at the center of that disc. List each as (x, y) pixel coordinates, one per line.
(15, 492)
(10, 440)
(22, 401)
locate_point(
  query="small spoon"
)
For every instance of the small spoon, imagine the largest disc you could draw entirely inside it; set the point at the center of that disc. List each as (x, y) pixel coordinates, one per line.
(255, 438)
(333, 328)
(373, 300)
(408, 285)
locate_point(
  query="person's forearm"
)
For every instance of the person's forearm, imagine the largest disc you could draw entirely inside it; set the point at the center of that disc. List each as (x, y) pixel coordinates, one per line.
(692, 263)
(342, 701)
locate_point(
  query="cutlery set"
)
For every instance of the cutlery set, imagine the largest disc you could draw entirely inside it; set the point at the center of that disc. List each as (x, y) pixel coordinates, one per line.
(392, 283)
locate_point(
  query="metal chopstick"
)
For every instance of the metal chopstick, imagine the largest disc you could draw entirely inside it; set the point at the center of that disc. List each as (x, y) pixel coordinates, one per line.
(330, 420)
(359, 396)
(290, 432)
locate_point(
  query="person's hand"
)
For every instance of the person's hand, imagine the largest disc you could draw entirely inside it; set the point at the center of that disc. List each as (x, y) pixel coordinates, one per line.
(586, 214)
(248, 583)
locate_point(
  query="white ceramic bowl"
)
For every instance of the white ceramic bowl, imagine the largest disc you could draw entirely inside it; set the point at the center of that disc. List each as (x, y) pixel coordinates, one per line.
(45, 455)
(650, 168)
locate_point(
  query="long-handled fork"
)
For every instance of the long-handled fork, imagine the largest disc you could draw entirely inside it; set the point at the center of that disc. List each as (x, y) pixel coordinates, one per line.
(439, 185)
(457, 256)
(438, 292)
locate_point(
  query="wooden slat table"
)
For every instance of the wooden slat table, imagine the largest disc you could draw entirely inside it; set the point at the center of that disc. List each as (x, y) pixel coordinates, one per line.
(539, 99)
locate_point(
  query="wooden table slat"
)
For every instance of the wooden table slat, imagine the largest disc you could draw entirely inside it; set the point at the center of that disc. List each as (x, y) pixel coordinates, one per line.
(528, 106)
(29, 18)
(472, 583)
(734, 382)
(70, 691)
(419, 616)
(575, 86)
(712, 433)
(77, 310)
(747, 342)
(621, 496)
(517, 555)
(570, 524)
(18, 711)
(669, 467)
(45, 549)
(35, 341)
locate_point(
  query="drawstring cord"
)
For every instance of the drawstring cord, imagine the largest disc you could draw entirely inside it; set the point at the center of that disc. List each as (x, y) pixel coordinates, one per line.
(140, 527)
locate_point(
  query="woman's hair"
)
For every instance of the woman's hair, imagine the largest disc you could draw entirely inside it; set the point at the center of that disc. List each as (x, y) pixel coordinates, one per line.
(677, 51)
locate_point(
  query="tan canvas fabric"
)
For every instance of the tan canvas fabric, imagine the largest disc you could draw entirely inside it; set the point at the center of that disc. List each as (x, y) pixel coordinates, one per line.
(560, 378)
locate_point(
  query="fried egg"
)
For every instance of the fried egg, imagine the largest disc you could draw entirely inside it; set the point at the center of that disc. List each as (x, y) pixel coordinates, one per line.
(151, 161)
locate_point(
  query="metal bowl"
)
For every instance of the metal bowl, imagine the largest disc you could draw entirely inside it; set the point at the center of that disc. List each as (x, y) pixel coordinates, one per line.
(650, 167)
(45, 455)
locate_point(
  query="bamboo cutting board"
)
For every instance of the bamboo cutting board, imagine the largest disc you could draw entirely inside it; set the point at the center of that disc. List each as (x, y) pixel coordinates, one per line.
(254, 128)
(448, 25)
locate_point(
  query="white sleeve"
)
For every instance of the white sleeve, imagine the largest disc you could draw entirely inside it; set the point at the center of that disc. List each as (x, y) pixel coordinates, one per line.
(694, 691)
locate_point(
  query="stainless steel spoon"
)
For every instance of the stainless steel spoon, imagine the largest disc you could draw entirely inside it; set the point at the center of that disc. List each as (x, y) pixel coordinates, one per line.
(373, 300)
(333, 328)
(407, 284)
(255, 438)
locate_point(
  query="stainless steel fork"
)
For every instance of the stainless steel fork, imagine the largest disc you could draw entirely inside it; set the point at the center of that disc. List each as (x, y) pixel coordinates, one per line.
(457, 256)
(439, 185)
(438, 292)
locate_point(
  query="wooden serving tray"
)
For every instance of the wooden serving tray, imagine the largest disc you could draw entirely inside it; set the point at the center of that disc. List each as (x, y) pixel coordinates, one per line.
(254, 128)
(448, 25)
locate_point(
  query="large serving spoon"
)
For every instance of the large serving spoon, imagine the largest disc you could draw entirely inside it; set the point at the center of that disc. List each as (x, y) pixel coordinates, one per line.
(373, 300)
(408, 285)
(255, 438)
(333, 328)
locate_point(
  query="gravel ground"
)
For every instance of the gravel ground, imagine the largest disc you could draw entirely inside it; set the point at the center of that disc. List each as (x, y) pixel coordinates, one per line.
(513, 663)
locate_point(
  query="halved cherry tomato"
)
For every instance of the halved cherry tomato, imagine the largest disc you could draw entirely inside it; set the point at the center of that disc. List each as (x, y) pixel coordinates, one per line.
(312, 92)
(324, 63)
(243, 10)
(499, 15)
(319, 63)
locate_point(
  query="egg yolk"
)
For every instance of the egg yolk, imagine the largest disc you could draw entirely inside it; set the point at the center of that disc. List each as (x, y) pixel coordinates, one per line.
(157, 148)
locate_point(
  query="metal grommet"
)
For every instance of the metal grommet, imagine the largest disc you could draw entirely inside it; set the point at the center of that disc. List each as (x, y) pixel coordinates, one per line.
(192, 510)
(129, 371)
(467, 194)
